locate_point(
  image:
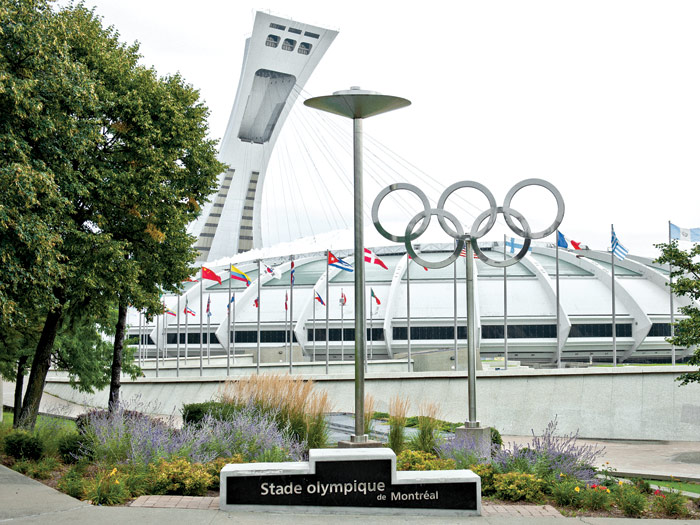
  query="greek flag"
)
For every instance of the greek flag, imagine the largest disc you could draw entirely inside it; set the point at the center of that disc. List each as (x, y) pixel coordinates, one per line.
(618, 250)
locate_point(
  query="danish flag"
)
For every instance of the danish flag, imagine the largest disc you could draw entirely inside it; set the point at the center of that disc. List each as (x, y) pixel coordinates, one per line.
(371, 257)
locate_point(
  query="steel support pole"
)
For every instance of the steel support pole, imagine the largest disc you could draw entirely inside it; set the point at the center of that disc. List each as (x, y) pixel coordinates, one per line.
(228, 326)
(670, 294)
(505, 308)
(178, 338)
(614, 329)
(291, 317)
(360, 329)
(408, 311)
(257, 360)
(557, 287)
(328, 307)
(471, 339)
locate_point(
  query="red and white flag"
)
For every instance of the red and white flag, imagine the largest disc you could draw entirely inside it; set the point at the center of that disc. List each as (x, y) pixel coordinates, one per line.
(424, 267)
(371, 257)
(464, 253)
(286, 298)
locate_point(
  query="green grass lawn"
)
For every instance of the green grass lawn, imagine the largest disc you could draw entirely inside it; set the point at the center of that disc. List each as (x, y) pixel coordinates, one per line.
(677, 485)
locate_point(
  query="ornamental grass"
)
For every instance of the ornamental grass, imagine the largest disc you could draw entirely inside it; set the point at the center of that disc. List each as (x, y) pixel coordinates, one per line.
(398, 408)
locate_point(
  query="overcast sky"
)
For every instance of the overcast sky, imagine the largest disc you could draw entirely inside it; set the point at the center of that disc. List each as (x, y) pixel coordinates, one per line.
(601, 98)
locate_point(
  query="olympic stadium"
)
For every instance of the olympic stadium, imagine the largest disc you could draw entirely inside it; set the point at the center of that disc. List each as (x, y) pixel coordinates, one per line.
(421, 325)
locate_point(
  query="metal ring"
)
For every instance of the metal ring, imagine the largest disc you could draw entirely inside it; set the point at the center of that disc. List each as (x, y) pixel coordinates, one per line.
(505, 262)
(507, 211)
(386, 191)
(477, 186)
(442, 214)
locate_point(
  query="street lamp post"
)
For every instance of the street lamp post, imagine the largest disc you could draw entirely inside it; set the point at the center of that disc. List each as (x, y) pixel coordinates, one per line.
(358, 104)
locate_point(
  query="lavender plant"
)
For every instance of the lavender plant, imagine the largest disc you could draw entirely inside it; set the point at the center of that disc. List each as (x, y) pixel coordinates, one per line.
(463, 451)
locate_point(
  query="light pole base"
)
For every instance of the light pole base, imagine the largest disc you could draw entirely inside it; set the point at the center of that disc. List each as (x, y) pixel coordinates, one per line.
(480, 436)
(362, 441)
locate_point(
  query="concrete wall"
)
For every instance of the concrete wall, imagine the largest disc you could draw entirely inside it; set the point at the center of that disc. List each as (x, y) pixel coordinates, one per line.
(605, 403)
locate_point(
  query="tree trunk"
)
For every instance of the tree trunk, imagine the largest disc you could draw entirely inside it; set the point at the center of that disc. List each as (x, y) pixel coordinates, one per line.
(115, 383)
(19, 385)
(40, 367)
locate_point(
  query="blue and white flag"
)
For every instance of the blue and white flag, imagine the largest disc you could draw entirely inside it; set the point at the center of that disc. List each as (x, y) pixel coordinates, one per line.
(685, 234)
(618, 250)
(228, 306)
(513, 245)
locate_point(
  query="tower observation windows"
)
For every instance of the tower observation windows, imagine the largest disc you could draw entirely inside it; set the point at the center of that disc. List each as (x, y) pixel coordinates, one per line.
(277, 26)
(294, 30)
(304, 48)
(289, 44)
(312, 35)
(272, 41)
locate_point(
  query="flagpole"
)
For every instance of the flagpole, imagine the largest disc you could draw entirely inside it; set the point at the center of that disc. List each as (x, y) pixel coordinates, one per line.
(177, 369)
(455, 307)
(614, 330)
(140, 347)
(371, 327)
(286, 349)
(370, 332)
(228, 326)
(408, 312)
(157, 345)
(670, 294)
(201, 322)
(209, 331)
(186, 329)
(233, 331)
(505, 307)
(313, 331)
(471, 338)
(557, 274)
(257, 366)
(291, 314)
(328, 307)
(342, 319)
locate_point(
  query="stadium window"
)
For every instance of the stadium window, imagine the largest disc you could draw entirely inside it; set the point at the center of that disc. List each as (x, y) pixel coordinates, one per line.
(294, 30)
(312, 35)
(289, 44)
(660, 330)
(277, 26)
(272, 41)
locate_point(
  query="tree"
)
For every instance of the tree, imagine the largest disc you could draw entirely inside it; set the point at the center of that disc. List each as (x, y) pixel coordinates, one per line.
(686, 282)
(123, 152)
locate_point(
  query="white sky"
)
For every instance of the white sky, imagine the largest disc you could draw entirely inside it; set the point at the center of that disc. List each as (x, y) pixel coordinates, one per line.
(601, 98)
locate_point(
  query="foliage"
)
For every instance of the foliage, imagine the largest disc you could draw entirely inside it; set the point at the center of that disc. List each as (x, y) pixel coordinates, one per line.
(686, 283)
(73, 483)
(671, 503)
(214, 468)
(291, 401)
(41, 469)
(193, 413)
(496, 438)
(596, 497)
(23, 445)
(107, 489)
(567, 493)
(420, 460)
(367, 415)
(486, 473)
(463, 451)
(549, 455)
(71, 448)
(632, 502)
(516, 486)
(180, 477)
(641, 485)
(398, 407)
(427, 437)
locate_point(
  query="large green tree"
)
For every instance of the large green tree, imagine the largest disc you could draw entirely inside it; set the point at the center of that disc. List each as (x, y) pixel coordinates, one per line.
(126, 165)
(686, 283)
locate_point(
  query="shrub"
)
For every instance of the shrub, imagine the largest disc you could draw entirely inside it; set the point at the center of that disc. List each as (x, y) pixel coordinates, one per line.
(496, 438)
(671, 503)
(107, 489)
(214, 468)
(516, 486)
(642, 485)
(567, 493)
(419, 460)
(462, 450)
(486, 473)
(73, 483)
(193, 413)
(630, 500)
(398, 408)
(596, 497)
(427, 437)
(180, 477)
(71, 449)
(23, 445)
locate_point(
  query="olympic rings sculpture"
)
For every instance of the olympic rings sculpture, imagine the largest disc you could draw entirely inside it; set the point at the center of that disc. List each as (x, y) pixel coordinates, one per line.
(456, 231)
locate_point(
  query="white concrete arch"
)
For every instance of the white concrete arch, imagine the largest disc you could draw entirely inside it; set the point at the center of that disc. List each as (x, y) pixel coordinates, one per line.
(392, 304)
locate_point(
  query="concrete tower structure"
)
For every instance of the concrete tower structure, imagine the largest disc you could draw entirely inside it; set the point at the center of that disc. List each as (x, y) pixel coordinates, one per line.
(280, 56)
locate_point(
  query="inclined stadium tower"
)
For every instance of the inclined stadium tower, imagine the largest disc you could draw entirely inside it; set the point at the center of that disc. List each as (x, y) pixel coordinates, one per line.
(280, 56)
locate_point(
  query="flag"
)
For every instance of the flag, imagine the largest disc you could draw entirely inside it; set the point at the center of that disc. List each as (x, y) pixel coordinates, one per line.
(256, 302)
(228, 306)
(374, 296)
(188, 310)
(168, 311)
(334, 261)
(190, 280)
(618, 250)
(291, 274)
(424, 267)
(209, 274)
(685, 234)
(286, 298)
(371, 257)
(209, 306)
(563, 242)
(274, 272)
(318, 298)
(235, 273)
(513, 245)
(464, 254)
(343, 299)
